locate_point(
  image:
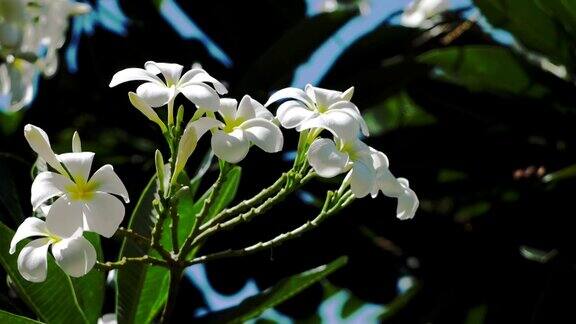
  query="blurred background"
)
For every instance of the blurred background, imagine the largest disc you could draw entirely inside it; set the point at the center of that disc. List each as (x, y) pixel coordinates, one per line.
(473, 101)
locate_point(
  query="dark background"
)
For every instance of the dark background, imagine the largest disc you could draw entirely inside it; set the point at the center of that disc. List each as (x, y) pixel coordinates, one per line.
(466, 139)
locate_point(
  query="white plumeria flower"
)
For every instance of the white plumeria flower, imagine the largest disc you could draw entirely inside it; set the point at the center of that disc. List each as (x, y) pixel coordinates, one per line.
(158, 93)
(418, 12)
(245, 124)
(319, 108)
(368, 171)
(329, 159)
(73, 253)
(82, 201)
(393, 187)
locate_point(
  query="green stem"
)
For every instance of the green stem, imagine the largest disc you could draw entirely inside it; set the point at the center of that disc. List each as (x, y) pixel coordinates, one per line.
(297, 182)
(175, 276)
(174, 226)
(330, 208)
(246, 204)
(146, 259)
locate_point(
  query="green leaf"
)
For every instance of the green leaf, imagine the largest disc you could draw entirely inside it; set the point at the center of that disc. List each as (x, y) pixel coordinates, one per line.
(226, 195)
(130, 279)
(562, 174)
(529, 24)
(202, 169)
(483, 68)
(396, 112)
(561, 11)
(6, 317)
(90, 288)
(53, 300)
(282, 291)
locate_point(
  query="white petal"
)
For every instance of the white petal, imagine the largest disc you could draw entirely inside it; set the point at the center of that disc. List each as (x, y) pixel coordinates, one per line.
(291, 93)
(78, 164)
(232, 147)
(145, 108)
(261, 111)
(361, 179)
(228, 109)
(407, 201)
(339, 123)
(32, 260)
(170, 71)
(264, 134)
(39, 142)
(133, 74)
(351, 109)
(102, 214)
(202, 96)
(108, 319)
(326, 159)
(65, 217)
(292, 113)
(245, 110)
(323, 97)
(199, 75)
(106, 180)
(48, 185)
(76, 143)
(75, 255)
(30, 227)
(155, 95)
(347, 95)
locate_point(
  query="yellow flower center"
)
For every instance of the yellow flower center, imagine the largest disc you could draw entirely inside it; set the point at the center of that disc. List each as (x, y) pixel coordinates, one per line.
(81, 190)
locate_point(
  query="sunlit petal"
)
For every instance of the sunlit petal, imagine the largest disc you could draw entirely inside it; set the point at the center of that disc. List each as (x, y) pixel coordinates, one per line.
(202, 96)
(264, 134)
(30, 227)
(75, 255)
(291, 93)
(154, 94)
(246, 109)
(78, 164)
(326, 159)
(133, 74)
(32, 260)
(361, 179)
(292, 113)
(39, 142)
(106, 180)
(170, 71)
(65, 217)
(102, 214)
(231, 147)
(48, 185)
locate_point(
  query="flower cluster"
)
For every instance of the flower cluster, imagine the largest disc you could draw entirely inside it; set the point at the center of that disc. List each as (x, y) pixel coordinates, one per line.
(71, 202)
(317, 109)
(250, 123)
(31, 32)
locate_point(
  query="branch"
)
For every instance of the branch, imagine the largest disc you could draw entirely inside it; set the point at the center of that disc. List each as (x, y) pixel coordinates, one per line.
(124, 261)
(341, 202)
(130, 234)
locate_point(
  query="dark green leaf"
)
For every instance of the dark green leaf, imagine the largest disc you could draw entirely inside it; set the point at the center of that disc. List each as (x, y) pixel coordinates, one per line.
(529, 24)
(130, 279)
(483, 68)
(283, 290)
(226, 194)
(6, 317)
(53, 300)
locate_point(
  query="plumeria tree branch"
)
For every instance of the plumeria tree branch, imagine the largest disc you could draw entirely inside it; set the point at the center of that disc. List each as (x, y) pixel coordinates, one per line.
(330, 208)
(145, 259)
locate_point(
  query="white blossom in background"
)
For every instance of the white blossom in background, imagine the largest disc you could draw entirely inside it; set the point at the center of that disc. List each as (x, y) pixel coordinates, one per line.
(157, 92)
(31, 33)
(73, 253)
(108, 319)
(82, 201)
(418, 12)
(319, 108)
(245, 124)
